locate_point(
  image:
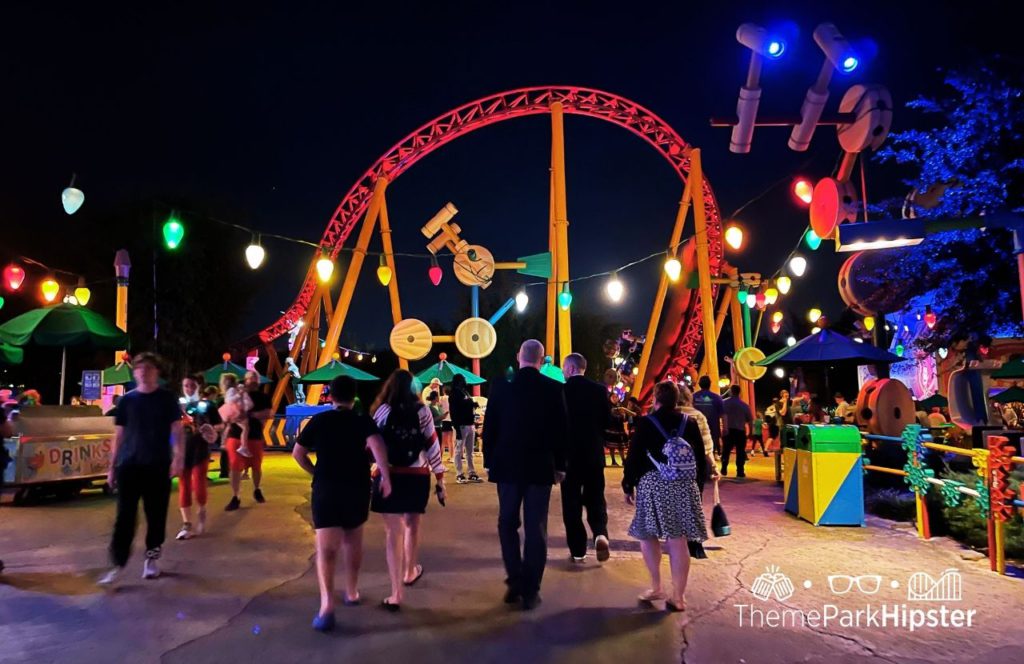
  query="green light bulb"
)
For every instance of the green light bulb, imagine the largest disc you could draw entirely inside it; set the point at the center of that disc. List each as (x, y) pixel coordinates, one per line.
(174, 232)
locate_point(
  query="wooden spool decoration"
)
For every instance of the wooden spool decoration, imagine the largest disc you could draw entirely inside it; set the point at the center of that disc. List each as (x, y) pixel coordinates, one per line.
(411, 339)
(832, 203)
(474, 266)
(892, 408)
(475, 338)
(745, 360)
(862, 414)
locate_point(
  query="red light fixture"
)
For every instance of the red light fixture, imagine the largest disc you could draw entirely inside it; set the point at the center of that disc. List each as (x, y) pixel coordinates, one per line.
(14, 276)
(803, 190)
(776, 326)
(930, 318)
(435, 273)
(761, 300)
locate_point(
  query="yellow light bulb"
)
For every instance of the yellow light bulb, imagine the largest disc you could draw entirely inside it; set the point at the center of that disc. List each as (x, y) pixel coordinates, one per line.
(777, 317)
(324, 268)
(83, 294)
(50, 289)
(771, 295)
(814, 315)
(734, 236)
(784, 284)
(673, 268)
(869, 323)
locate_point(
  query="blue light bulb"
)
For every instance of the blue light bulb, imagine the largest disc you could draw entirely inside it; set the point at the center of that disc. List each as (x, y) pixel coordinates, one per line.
(850, 63)
(776, 48)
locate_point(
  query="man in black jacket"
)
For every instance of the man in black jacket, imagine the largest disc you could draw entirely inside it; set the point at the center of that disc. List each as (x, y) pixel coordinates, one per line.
(589, 412)
(525, 433)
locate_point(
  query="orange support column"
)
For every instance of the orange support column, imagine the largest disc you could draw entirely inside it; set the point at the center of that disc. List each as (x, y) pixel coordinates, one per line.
(389, 259)
(704, 267)
(561, 223)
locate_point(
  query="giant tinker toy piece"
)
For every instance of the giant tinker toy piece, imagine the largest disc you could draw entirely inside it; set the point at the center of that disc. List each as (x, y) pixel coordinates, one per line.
(681, 326)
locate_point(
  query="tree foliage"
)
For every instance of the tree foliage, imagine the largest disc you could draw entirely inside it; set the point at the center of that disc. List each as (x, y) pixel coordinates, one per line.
(964, 159)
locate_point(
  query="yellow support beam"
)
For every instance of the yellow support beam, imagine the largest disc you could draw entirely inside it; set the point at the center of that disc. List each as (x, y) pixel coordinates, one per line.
(348, 287)
(704, 267)
(389, 260)
(561, 222)
(659, 298)
(552, 301)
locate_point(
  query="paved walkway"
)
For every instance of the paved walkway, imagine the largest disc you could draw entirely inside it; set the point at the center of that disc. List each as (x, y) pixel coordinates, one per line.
(247, 590)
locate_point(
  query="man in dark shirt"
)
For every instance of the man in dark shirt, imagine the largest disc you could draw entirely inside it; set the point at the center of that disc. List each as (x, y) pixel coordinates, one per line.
(147, 452)
(260, 413)
(737, 420)
(525, 432)
(589, 412)
(341, 490)
(711, 405)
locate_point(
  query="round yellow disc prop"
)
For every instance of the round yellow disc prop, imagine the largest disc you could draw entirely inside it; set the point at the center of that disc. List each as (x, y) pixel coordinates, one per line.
(745, 359)
(475, 338)
(474, 266)
(411, 339)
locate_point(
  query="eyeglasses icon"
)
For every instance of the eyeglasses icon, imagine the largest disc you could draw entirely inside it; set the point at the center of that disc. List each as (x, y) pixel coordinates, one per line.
(867, 584)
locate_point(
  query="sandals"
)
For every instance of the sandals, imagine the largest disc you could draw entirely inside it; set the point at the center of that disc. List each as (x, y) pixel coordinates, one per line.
(355, 601)
(388, 606)
(672, 607)
(649, 596)
(419, 573)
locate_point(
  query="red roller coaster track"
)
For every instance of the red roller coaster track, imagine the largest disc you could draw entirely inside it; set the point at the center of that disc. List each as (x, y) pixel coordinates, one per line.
(496, 108)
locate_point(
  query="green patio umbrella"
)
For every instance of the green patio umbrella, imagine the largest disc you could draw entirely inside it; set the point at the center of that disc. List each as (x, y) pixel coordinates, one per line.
(933, 401)
(551, 371)
(445, 371)
(1012, 395)
(329, 372)
(11, 354)
(119, 374)
(62, 325)
(1012, 368)
(213, 374)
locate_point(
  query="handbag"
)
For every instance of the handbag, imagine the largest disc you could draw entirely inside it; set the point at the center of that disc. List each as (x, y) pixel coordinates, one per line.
(719, 522)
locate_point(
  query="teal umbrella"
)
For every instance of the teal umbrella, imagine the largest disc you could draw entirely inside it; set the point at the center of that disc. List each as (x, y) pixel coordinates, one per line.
(933, 401)
(329, 372)
(1012, 368)
(551, 371)
(11, 354)
(1012, 395)
(445, 371)
(62, 325)
(213, 374)
(119, 374)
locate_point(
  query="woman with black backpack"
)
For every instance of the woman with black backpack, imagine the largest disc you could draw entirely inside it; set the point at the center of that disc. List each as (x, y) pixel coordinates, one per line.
(660, 478)
(413, 453)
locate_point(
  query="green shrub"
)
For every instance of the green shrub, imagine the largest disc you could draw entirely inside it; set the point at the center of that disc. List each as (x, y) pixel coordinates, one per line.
(890, 503)
(965, 523)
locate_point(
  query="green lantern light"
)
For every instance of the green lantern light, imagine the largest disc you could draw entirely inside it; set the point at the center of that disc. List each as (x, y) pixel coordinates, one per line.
(1, 301)
(565, 298)
(900, 349)
(741, 295)
(174, 232)
(812, 240)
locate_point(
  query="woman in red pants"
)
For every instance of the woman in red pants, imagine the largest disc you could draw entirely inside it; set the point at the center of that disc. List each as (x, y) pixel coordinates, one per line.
(203, 431)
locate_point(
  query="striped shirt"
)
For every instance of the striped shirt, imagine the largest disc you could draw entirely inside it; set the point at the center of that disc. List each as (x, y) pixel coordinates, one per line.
(430, 457)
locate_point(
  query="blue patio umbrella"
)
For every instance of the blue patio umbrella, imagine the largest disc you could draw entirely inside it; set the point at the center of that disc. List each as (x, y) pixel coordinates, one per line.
(828, 347)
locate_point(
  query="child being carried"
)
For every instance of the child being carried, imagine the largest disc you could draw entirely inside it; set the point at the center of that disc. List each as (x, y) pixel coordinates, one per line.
(235, 410)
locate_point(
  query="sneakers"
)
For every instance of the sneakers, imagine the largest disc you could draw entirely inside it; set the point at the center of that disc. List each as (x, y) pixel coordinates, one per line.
(578, 560)
(111, 577)
(461, 479)
(257, 495)
(150, 568)
(602, 548)
(474, 478)
(201, 525)
(531, 602)
(185, 532)
(233, 504)
(243, 451)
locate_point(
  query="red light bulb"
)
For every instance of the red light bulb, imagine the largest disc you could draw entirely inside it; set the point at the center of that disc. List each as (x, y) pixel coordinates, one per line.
(435, 273)
(14, 276)
(761, 300)
(930, 318)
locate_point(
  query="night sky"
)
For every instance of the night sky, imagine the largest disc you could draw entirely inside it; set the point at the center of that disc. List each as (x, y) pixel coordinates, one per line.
(267, 117)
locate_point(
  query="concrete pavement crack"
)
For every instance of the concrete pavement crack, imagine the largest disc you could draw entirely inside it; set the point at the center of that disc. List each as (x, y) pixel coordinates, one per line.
(245, 607)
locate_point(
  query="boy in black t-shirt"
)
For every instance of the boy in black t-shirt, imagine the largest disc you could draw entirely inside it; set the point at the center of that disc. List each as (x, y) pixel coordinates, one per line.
(341, 490)
(147, 452)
